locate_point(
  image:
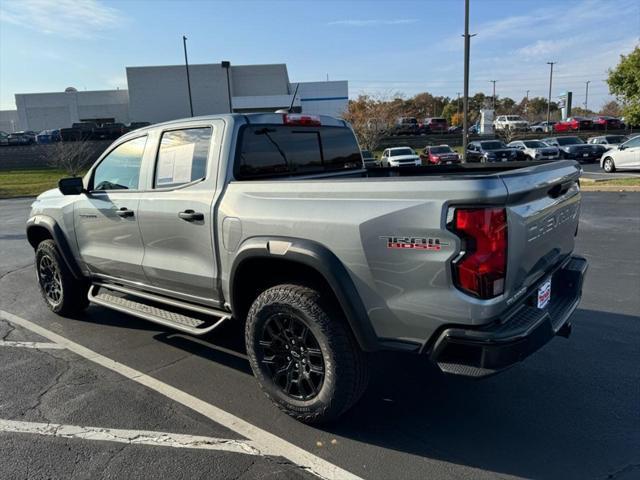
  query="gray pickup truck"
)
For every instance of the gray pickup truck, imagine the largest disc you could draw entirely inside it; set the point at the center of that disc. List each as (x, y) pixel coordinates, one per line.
(271, 220)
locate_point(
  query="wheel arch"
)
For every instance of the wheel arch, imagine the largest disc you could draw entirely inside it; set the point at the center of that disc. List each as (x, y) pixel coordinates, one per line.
(42, 227)
(303, 260)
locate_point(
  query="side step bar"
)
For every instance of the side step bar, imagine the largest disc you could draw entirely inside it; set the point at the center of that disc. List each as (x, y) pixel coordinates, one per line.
(167, 318)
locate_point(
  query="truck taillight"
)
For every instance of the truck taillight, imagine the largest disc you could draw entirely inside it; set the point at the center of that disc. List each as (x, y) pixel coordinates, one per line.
(299, 119)
(482, 270)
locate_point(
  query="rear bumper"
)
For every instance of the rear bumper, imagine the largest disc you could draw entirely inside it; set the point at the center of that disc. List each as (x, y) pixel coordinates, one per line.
(483, 351)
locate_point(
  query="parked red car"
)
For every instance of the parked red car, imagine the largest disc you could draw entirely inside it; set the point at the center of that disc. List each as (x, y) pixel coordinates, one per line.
(572, 124)
(439, 155)
(435, 125)
(604, 122)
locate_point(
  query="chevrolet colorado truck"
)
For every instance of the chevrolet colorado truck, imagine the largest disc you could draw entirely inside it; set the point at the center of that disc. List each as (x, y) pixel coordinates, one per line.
(271, 221)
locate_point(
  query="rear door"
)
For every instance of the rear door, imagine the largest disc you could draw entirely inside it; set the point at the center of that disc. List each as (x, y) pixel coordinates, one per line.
(106, 218)
(176, 213)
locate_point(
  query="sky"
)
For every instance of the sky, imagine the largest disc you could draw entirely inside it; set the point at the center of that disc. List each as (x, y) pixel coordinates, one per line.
(380, 47)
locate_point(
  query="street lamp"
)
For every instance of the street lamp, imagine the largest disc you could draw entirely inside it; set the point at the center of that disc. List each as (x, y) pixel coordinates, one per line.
(227, 65)
(465, 103)
(494, 94)
(186, 64)
(586, 96)
(549, 100)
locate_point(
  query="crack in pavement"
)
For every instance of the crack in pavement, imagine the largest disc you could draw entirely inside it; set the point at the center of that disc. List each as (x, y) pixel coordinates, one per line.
(14, 270)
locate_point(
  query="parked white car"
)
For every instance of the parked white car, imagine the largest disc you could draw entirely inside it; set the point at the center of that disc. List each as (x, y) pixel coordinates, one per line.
(400, 157)
(608, 141)
(536, 150)
(625, 157)
(510, 122)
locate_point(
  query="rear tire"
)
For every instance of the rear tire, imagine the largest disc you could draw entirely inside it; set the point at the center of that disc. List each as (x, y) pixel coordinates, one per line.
(608, 165)
(303, 354)
(62, 292)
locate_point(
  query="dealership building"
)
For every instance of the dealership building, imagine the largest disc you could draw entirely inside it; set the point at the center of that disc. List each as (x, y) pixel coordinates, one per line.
(160, 93)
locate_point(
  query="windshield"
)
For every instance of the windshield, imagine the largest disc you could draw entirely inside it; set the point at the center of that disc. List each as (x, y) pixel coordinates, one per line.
(396, 152)
(513, 118)
(615, 138)
(440, 150)
(438, 120)
(569, 141)
(535, 144)
(366, 154)
(494, 145)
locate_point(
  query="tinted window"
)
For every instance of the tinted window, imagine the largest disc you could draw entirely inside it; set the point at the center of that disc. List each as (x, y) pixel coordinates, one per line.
(440, 150)
(492, 145)
(569, 141)
(120, 169)
(396, 152)
(534, 144)
(615, 138)
(182, 157)
(267, 150)
(366, 154)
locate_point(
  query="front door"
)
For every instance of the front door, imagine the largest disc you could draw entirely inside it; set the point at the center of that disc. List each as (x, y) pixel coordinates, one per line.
(176, 215)
(630, 156)
(106, 218)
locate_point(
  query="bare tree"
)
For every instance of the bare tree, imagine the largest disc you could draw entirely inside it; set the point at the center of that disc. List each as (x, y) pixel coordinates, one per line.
(72, 157)
(371, 118)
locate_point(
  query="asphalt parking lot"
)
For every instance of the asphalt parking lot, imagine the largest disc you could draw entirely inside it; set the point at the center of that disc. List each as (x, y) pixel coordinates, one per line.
(105, 395)
(594, 172)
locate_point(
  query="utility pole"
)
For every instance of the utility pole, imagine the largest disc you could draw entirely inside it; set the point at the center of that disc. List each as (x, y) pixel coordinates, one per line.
(458, 103)
(549, 99)
(494, 94)
(526, 104)
(586, 96)
(465, 102)
(186, 64)
(227, 65)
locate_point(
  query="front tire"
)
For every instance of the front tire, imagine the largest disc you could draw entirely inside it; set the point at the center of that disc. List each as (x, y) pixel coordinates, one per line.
(62, 292)
(303, 354)
(608, 165)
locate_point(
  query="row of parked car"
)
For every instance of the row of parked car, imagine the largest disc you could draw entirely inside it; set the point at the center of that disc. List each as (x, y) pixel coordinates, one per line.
(77, 131)
(612, 151)
(412, 126)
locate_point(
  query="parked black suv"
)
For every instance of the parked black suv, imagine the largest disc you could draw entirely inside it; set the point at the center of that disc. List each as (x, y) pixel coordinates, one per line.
(490, 151)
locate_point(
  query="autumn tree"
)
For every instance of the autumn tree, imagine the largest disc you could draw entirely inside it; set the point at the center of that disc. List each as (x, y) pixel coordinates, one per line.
(611, 109)
(371, 118)
(624, 83)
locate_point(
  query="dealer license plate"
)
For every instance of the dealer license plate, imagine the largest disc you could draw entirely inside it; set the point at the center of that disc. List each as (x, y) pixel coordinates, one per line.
(585, 154)
(544, 293)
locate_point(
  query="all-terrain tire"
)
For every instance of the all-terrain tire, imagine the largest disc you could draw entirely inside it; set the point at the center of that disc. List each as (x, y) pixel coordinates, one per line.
(63, 293)
(345, 364)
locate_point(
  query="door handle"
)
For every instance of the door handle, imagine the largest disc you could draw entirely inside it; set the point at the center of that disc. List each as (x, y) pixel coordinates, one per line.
(124, 212)
(190, 215)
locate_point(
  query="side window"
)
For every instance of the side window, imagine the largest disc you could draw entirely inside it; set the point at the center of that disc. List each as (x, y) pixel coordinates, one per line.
(634, 142)
(182, 157)
(120, 169)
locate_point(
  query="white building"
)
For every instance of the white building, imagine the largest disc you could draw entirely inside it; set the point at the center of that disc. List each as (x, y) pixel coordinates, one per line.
(160, 93)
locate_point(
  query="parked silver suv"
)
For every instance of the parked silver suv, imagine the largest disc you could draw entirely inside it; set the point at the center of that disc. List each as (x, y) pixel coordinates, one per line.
(271, 220)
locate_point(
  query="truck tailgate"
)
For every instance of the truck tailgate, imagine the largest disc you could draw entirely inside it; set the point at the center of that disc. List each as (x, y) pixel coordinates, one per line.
(543, 207)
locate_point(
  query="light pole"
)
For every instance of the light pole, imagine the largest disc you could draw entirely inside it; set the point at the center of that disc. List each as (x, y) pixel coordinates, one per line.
(549, 100)
(586, 96)
(227, 65)
(465, 102)
(458, 103)
(526, 105)
(494, 95)
(186, 64)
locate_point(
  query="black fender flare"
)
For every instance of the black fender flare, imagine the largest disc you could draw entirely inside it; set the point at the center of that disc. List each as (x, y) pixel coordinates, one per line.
(58, 236)
(322, 260)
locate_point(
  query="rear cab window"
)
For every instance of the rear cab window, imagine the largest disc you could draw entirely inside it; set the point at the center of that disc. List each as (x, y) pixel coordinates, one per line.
(267, 150)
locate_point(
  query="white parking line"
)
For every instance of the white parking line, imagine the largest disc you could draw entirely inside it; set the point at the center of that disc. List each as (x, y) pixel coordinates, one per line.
(36, 345)
(132, 437)
(266, 443)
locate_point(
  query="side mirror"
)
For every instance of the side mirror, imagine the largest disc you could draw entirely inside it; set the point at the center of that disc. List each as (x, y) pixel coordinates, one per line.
(71, 185)
(621, 147)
